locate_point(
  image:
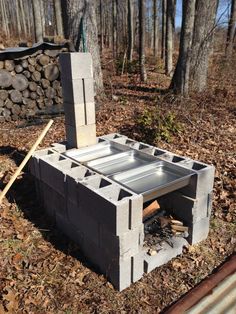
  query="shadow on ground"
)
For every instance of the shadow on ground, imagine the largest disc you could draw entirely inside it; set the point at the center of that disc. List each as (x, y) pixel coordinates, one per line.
(23, 194)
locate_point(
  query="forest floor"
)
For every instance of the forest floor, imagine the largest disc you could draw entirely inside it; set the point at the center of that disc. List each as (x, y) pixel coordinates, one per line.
(41, 271)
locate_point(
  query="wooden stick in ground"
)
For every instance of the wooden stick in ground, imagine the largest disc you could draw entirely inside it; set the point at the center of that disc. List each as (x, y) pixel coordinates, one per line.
(151, 209)
(27, 157)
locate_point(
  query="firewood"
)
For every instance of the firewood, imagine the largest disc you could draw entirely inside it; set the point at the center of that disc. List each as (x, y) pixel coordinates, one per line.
(8, 103)
(27, 74)
(33, 95)
(48, 102)
(3, 94)
(6, 114)
(26, 93)
(36, 76)
(43, 59)
(39, 91)
(31, 68)
(16, 109)
(179, 228)
(24, 64)
(50, 92)
(1, 64)
(38, 67)
(56, 85)
(1, 103)
(9, 65)
(32, 61)
(52, 53)
(14, 117)
(151, 209)
(16, 96)
(31, 104)
(176, 222)
(51, 72)
(45, 83)
(18, 68)
(20, 82)
(5, 78)
(32, 86)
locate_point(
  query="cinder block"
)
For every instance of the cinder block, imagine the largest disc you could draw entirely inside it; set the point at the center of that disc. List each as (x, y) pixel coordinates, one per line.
(88, 90)
(111, 204)
(76, 65)
(81, 136)
(82, 221)
(59, 147)
(33, 164)
(123, 272)
(125, 245)
(73, 90)
(53, 202)
(73, 176)
(75, 114)
(165, 254)
(53, 171)
(112, 136)
(187, 209)
(65, 226)
(202, 182)
(199, 230)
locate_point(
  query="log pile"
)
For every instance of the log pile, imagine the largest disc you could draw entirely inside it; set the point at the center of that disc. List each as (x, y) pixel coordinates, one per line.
(30, 84)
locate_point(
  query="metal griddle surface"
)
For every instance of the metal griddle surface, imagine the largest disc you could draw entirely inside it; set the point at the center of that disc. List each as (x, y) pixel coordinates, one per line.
(154, 180)
(119, 162)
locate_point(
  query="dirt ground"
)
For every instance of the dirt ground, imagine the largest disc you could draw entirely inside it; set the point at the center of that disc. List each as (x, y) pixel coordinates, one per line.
(41, 271)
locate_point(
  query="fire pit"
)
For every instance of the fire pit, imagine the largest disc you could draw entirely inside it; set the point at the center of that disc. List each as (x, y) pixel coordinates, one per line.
(130, 206)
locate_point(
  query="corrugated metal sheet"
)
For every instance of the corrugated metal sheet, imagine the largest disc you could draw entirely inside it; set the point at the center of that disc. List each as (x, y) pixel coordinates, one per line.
(216, 294)
(222, 299)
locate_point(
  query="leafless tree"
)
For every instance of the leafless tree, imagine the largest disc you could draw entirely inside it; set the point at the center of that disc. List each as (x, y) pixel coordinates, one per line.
(155, 29)
(81, 27)
(143, 73)
(180, 80)
(163, 29)
(37, 21)
(231, 29)
(130, 29)
(58, 13)
(170, 22)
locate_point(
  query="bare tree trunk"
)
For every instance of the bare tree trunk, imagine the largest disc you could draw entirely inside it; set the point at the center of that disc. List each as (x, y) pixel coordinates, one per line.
(204, 26)
(37, 21)
(163, 29)
(23, 17)
(170, 22)
(101, 27)
(143, 73)
(180, 80)
(19, 31)
(231, 29)
(130, 29)
(114, 28)
(57, 5)
(155, 29)
(80, 19)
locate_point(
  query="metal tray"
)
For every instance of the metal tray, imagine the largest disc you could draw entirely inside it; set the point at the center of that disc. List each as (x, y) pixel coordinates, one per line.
(120, 162)
(95, 151)
(155, 179)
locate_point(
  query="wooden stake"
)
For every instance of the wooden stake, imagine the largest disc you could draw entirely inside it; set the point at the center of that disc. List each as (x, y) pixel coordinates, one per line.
(27, 157)
(149, 210)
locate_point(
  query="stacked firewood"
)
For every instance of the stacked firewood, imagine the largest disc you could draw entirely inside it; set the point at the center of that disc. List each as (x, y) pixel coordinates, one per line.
(30, 84)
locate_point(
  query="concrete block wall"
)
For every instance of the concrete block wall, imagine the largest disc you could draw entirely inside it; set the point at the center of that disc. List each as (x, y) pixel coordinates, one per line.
(104, 218)
(78, 98)
(193, 203)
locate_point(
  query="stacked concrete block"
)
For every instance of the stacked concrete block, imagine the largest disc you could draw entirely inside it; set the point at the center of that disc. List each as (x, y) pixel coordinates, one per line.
(78, 97)
(101, 216)
(193, 203)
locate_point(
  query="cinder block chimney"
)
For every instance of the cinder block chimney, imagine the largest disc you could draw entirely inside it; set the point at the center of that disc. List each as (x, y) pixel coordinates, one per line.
(78, 98)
